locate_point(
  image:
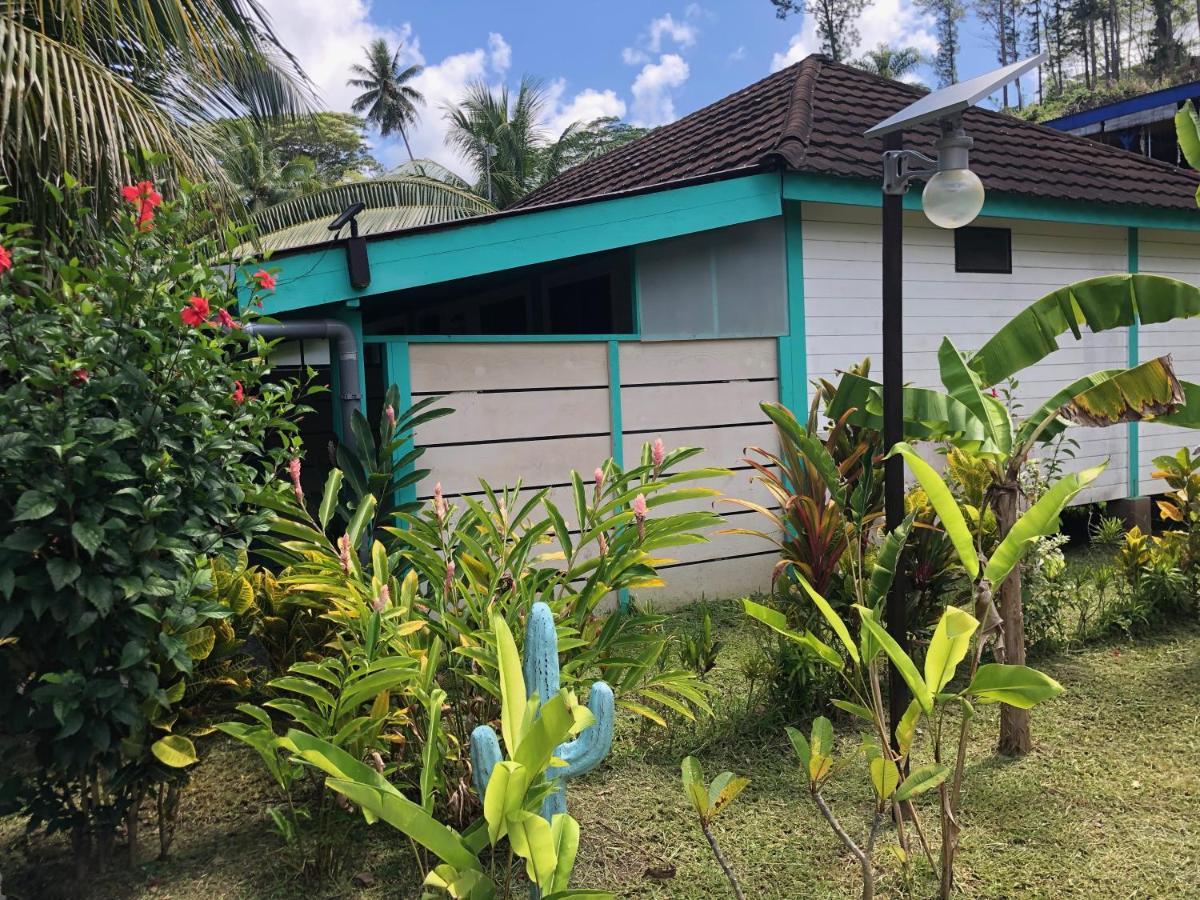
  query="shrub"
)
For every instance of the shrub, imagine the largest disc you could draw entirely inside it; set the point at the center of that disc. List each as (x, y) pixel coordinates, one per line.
(134, 417)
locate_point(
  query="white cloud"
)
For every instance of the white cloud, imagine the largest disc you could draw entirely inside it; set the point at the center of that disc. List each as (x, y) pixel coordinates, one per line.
(442, 83)
(585, 106)
(898, 23)
(631, 56)
(739, 54)
(500, 52)
(681, 33)
(653, 103)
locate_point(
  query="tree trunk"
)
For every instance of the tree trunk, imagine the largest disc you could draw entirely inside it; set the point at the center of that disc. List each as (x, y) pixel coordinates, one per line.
(1015, 737)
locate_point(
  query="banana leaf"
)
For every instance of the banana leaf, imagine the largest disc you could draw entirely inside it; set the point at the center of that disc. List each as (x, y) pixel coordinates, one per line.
(1187, 131)
(1100, 304)
(929, 415)
(963, 385)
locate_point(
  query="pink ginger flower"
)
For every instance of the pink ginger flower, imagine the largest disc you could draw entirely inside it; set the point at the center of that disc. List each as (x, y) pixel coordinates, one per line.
(439, 502)
(448, 584)
(390, 415)
(639, 514)
(603, 544)
(294, 472)
(380, 603)
(377, 761)
(657, 454)
(344, 553)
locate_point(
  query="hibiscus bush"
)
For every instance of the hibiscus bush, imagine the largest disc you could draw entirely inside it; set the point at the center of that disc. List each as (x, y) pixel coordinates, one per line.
(134, 422)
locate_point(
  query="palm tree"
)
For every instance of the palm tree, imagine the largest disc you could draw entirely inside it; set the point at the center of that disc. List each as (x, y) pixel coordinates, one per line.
(503, 139)
(388, 100)
(892, 63)
(90, 84)
(260, 174)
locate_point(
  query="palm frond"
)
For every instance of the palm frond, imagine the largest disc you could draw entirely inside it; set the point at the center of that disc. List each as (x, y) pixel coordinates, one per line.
(393, 203)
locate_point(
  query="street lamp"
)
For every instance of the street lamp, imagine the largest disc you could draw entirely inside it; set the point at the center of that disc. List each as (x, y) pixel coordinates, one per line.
(953, 197)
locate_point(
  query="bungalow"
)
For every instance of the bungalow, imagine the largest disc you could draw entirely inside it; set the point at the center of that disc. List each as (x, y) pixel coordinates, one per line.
(668, 287)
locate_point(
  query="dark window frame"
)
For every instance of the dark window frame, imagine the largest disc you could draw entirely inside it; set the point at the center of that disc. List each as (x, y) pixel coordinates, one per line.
(986, 234)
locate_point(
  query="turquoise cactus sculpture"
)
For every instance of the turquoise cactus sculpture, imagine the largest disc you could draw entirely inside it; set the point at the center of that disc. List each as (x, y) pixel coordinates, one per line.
(540, 667)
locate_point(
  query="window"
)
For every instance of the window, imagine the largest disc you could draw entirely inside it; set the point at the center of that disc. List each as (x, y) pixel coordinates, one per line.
(986, 250)
(729, 282)
(584, 295)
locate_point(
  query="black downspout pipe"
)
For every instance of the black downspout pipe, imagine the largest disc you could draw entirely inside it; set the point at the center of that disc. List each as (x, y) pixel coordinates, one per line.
(342, 345)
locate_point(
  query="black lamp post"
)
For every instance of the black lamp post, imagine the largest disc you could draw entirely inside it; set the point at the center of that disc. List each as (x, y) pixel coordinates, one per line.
(953, 197)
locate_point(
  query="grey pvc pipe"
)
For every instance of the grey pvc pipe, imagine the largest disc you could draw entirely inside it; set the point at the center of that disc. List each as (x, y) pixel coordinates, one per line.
(343, 346)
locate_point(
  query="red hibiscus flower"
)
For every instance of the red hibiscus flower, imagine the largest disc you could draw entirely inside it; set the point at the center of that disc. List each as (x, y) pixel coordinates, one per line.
(226, 320)
(995, 393)
(5, 260)
(146, 198)
(195, 313)
(80, 377)
(265, 279)
(239, 394)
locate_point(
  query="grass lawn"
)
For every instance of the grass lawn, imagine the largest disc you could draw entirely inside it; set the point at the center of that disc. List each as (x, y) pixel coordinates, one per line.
(1105, 807)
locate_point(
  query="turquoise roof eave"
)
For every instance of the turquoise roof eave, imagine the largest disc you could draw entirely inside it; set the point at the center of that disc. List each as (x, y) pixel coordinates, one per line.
(317, 277)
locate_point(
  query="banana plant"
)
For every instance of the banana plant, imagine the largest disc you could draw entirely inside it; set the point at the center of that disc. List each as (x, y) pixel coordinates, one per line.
(971, 416)
(708, 800)
(517, 786)
(959, 636)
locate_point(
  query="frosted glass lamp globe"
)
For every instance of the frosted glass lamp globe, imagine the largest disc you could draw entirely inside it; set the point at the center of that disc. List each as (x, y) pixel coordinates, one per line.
(953, 198)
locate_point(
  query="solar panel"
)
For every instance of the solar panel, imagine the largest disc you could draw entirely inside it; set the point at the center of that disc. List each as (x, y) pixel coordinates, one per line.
(955, 98)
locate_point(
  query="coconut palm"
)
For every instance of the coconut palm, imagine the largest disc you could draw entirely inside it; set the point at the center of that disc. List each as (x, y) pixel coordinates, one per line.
(420, 192)
(892, 63)
(503, 139)
(89, 84)
(389, 101)
(261, 175)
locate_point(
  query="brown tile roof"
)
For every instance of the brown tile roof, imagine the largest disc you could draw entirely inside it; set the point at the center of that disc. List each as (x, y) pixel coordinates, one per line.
(810, 117)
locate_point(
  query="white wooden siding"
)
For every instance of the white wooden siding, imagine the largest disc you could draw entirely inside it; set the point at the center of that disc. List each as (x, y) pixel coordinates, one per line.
(536, 411)
(1177, 254)
(842, 288)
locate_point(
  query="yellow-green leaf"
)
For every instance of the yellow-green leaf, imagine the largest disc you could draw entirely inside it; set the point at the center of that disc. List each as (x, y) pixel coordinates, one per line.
(175, 751)
(884, 776)
(512, 685)
(949, 645)
(944, 505)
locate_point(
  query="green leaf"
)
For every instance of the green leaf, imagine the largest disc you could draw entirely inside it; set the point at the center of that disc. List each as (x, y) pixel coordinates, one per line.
(1187, 133)
(834, 620)
(906, 729)
(723, 790)
(810, 447)
(1040, 519)
(564, 835)
(88, 535)
(883, 572)
(963, 385)
(776, 621)
(693, 785)
(505, 796)
(884, 777)
(175, 751)
(366, 509)
(899, 658)
(33, 505)
(1018, 686)
(333, 487)
(944, 505)
(921, 780)
(854, 709)
(512, 685)
(1103, 303)
(62, 571)
(800, 746)
(200, 641)
(530, 838)
(949, 645)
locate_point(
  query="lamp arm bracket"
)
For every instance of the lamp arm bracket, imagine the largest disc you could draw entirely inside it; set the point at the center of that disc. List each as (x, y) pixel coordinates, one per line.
(902, 167)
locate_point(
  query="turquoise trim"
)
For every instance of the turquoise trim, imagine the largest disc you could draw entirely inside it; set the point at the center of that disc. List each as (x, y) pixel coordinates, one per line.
(865, 192)
(509, 242)
(635, 289)
(614, 403)
(793, 347)
(616, 430)
(1135, 456)
(395, 363)
(497, 338)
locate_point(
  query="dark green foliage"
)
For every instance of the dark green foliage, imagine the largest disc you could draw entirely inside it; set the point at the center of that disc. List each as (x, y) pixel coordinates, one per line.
(129, 440)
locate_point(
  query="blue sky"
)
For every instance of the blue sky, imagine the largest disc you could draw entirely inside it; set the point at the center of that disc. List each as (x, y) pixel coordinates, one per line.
(648, 62)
